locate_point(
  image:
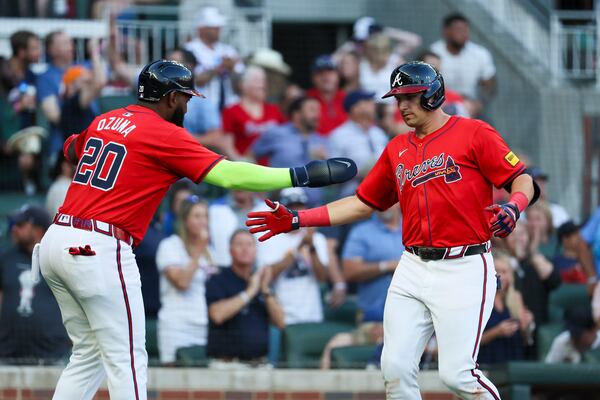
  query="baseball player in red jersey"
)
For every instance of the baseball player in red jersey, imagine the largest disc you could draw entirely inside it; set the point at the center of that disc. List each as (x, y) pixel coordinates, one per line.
(126, 161)
(442, 174)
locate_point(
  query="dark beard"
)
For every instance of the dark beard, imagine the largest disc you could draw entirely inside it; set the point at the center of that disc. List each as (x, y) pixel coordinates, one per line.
(178, 116)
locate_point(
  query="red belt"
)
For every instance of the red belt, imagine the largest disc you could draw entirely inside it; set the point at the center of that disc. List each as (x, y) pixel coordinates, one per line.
(93, 225)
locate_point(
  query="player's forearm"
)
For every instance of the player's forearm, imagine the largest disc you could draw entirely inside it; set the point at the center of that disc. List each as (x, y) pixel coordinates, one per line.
(246, 176)
(348, 210)
(524, 184)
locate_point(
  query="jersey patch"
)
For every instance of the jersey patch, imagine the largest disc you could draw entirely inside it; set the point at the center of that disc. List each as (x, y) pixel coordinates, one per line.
(511, 158)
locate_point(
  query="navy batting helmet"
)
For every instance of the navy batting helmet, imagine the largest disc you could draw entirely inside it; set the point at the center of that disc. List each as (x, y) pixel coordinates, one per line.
(162, 77)
(416, 77)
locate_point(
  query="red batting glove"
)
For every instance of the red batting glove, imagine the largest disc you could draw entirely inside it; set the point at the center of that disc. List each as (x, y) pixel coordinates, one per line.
(279, 220)
(504, 220)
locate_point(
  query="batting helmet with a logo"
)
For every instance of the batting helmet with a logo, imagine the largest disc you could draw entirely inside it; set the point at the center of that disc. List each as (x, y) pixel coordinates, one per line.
(417, 77)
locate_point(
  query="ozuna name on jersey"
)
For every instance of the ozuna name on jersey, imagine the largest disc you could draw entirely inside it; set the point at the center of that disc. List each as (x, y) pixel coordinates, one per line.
(116, 124)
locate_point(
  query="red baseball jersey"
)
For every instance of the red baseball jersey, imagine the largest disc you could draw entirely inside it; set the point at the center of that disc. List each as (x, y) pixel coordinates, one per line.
(442, 181)
(128, 159)
(247, 129)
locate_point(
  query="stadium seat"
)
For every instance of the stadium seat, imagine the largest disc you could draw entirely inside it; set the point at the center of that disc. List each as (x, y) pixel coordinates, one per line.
(152, 342)
(345, 314)
(107, 103)
(545, 335)
(193, 356)
(569, 295)
(352, 357)
(304, 343)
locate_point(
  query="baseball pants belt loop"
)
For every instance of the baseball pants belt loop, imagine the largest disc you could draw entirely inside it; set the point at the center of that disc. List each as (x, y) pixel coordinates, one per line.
(448, 253)
(93, 225)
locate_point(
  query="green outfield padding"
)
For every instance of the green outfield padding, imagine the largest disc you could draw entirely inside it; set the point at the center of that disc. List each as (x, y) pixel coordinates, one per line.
(193, 356)
(303, 344)
(352, 357)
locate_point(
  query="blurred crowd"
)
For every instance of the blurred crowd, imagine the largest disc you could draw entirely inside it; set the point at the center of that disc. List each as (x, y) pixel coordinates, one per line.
(207, 281)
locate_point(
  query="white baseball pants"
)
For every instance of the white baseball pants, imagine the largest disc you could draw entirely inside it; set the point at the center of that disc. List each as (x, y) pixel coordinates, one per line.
(454, 298)
(101, 304)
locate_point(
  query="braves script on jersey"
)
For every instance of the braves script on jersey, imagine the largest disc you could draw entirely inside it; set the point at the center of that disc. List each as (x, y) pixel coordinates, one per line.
(128, 158)
(443, 182)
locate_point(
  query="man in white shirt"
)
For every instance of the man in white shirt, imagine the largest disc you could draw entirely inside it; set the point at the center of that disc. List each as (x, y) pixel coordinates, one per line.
(217, 61)
(468, 67)
(299, 262)
(581, 335)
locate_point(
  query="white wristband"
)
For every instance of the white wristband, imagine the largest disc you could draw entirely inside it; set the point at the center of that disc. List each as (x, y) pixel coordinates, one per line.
(382, 266)
(340, 286)
(244, 296)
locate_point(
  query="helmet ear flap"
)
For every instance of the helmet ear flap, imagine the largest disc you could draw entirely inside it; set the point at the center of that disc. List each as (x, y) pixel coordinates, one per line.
(434, 97)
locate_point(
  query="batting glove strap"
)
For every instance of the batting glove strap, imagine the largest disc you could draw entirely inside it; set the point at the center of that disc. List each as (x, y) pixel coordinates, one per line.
(323, 173)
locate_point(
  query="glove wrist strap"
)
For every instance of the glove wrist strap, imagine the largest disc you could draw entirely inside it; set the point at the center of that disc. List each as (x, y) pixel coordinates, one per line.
(520, 200)
(318, 216)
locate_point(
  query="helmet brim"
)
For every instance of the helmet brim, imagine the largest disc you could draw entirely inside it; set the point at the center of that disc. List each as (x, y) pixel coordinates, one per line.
(405, 90)
(191, 92)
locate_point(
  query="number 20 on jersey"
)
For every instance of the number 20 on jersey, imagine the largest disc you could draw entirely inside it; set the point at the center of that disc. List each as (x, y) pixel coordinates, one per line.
(100, 164)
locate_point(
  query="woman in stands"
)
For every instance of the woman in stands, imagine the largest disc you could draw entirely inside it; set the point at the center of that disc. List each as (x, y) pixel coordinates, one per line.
(184, 262)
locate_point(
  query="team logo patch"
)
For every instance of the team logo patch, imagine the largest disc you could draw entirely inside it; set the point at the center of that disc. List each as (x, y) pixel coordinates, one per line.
(511, 158)
(397, 80)
(440, 166)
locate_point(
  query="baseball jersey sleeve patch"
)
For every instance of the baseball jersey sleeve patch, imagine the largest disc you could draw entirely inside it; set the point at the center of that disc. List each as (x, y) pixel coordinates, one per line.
(511, 158)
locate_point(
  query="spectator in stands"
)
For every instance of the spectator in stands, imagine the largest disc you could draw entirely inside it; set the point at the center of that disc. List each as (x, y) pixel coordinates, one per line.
(358, 138)
(291, 93)
(203, 119)
(591, 235)
(370, 256)
(569, 260)
(327, 91)
(454, 103)
(218, 63)
(559, 214)
(349, 70)
(247, 120)
(81, 88)
(241, 306)
(510, 325)
(227, 215)
(185, 263)
(17, 80)
(376, 65)
(535, 276)
(468, 67)
(277, 72)
(390, 120)
(59, 51)
(299, 262)
(145, 257)
(31, 329)
(581, 335)
(541, 231)
(62, 175)
(177, 194)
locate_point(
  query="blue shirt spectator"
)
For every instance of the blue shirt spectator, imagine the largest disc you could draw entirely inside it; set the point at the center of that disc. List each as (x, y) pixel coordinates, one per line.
(591, 234)
(202, 116)
(370, 256)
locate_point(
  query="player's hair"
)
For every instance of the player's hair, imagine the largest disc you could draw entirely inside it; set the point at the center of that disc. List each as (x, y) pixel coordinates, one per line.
(238, 232)
(452, 18)
(19, 40)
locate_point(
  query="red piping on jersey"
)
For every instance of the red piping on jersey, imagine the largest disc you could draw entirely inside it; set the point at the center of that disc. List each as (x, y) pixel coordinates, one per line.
(367, 202)
(129, 322)
(478, 337)
(207, 170)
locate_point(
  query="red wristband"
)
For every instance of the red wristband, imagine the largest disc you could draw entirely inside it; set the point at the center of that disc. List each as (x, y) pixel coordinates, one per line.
(314, 217)
(520, 199)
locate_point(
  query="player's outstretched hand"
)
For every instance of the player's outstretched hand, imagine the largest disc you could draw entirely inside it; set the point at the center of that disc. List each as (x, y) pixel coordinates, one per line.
(279, 219)
(504, 220)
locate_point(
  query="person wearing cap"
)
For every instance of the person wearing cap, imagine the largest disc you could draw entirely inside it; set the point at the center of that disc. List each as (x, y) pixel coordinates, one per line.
(217, 61)
(299, 263)
(568, 260)
(359, 137)
(276, 69)
(81, 87)
(580, 335)
(31, 329)
(326, 89)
